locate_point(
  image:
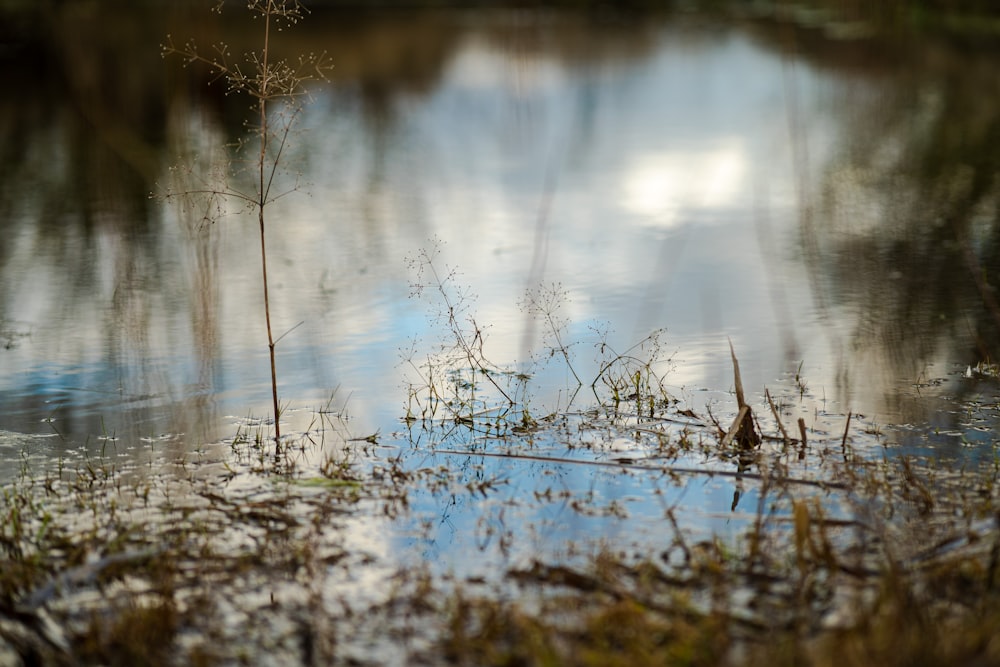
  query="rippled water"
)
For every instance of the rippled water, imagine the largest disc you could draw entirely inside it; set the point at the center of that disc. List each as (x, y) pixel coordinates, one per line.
(828, 205)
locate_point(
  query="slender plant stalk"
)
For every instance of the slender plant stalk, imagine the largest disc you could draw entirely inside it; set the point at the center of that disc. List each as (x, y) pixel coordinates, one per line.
(269, 80)
(267, 319)
(262, 193)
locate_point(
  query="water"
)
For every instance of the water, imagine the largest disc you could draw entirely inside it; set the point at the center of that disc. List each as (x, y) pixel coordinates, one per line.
(829, 206)
(822, 195)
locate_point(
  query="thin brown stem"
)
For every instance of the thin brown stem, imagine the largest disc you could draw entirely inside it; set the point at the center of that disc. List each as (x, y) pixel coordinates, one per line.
(270, 336)
(263, 80)
(261, 203)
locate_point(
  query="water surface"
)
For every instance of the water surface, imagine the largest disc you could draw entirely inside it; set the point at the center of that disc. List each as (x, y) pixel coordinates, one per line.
(829, 205)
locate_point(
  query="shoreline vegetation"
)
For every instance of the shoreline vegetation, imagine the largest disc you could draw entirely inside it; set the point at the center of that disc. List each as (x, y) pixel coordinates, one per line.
(842, 551)
(444, 543)
(482, 533)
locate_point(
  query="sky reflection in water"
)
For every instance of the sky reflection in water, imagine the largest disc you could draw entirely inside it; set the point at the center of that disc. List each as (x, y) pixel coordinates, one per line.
(687, 177)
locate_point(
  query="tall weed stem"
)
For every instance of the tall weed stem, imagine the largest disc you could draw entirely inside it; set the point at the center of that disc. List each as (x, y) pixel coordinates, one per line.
(268, 80)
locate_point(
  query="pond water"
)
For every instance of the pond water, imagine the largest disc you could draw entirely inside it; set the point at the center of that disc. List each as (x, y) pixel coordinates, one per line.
(819, 192)
(822, 195)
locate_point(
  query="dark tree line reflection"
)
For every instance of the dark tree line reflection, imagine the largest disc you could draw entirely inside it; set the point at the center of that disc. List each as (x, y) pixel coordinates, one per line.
(904, 223)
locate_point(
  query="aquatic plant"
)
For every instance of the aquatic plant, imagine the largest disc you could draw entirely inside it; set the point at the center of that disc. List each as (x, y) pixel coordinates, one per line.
(457, 378)
(458, 382)
(269, 83)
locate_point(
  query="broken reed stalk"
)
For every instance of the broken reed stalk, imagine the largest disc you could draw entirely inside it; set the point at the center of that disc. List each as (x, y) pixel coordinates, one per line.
(742, 430)
(737, 381)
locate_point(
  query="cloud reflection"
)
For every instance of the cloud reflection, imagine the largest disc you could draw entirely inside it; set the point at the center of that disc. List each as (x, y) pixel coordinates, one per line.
(659, 188)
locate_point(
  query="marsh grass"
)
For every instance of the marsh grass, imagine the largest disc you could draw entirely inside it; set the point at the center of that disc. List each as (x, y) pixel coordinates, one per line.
(846, 553)
(838, 549)
(848, 547)
(103, 561)
(907, 584)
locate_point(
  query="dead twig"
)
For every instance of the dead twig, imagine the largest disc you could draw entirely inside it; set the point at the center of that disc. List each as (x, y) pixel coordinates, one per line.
(777, 418)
